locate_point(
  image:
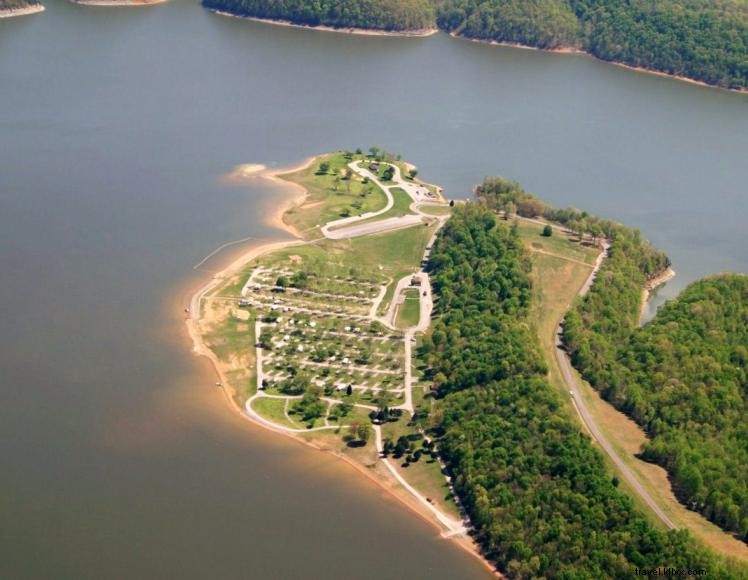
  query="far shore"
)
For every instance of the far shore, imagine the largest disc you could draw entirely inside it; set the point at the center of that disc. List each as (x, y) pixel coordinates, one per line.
(360, 31)
(573, 50)
(199, 348)
(11, 12)
(105, 3)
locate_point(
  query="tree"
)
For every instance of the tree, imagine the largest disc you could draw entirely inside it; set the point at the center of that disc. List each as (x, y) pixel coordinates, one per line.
(364, 432)
(389, 173)
(324, 167)
(547, 231)
(412, 173)
(282, 282)
(349, 390)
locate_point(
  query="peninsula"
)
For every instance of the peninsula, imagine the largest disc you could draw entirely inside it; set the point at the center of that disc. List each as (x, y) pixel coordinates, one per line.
(418, 340)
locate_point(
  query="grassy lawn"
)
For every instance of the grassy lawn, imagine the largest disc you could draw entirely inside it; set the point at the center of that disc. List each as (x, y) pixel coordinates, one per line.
(558, 244)
(400, 207)
(436, 210)
(273, 410)
(409, 312)
(425, 474)
(331, 194)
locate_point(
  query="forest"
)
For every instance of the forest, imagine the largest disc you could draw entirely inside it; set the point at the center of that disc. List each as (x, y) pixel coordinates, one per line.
(390, 15)
(15, 4)
(682, 377)
(538, 493)
(706, 40)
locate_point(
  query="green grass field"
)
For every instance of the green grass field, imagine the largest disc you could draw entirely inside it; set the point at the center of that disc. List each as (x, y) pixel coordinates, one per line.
(436, 210)
(273, 410)
(559, 243)
(331, 195)
(409, 312)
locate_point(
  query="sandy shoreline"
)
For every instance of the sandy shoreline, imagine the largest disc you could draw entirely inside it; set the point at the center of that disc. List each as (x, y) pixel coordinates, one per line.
(199, 348)
(118, 2)
(360, 31)
(12, 12)
(572, 50)
(651, 285)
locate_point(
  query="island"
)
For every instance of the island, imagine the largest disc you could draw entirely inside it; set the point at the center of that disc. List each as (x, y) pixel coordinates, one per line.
(10, 8)
(430, 345)
(703, 41)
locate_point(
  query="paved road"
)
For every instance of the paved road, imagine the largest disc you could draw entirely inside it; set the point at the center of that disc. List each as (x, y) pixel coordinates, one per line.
(584, 412)
(347, 227)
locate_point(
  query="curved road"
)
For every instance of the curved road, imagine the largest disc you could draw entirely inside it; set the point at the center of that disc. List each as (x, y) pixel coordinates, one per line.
(571, 382)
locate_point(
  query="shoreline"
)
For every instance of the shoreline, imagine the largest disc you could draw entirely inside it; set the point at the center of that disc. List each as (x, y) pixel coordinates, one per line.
(112, 3)
(651, 285)
(199, 348)
(12, 12)
(572, 50)
(352, 30)
(251, 171)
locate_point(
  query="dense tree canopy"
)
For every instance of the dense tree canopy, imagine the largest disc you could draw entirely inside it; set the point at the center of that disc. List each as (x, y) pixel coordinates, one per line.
(395, 15)
(705, 40)
(682, 377)
(701, 39)
(15, 4)
(537, 491)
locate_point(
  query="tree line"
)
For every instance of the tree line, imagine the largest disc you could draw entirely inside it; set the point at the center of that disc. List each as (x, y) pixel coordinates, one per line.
(15, 4)
(538, 493)
(705, 40)
(682, 377)
(391, 15)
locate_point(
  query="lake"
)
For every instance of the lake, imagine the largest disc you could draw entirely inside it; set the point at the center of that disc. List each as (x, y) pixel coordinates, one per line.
(120, 458)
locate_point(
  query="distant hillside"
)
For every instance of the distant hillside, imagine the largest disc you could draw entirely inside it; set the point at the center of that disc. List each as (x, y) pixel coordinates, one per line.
(387, 15)
(706, 40)
(17, 4)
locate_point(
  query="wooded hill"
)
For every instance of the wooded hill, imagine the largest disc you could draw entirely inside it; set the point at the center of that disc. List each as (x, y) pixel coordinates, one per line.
(682, 377)
(390, 15)
(538, 493)
(706, 40)
(16, 4)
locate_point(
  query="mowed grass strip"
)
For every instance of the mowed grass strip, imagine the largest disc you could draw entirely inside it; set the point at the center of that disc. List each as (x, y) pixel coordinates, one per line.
(409, 311)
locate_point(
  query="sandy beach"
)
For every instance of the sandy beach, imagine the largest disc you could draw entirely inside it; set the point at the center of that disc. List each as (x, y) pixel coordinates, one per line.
(10, 13)
(360, 31)
(296, 193)
(651, 285)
